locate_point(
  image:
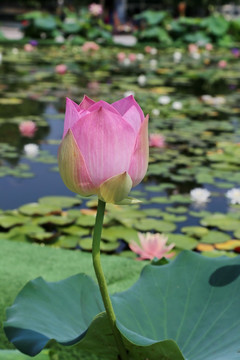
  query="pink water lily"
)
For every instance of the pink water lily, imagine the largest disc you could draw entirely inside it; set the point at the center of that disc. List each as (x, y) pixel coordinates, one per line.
(152, 246)
(104, 150)
(28, 128)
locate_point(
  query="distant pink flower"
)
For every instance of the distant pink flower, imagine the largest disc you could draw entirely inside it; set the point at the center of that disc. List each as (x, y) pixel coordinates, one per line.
(209, 47)
(132, 57)
(152, 246)
(121, 56)
(157, 140)
(93, 86)
(148, 49)
(28, 128)
(192, 48)
(222, 64)
(61, 69)
(90, 46)
(95, 9)
(28, 47)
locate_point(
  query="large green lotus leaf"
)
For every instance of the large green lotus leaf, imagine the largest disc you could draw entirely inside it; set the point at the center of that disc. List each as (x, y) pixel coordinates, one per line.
(16, 355)
(52, 310)
(60, 201)
(7, 221)
(193, 300)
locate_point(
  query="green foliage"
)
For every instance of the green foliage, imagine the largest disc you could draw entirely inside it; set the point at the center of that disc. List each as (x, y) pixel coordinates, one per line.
(155, 323)
(82, 26)
(158, 26)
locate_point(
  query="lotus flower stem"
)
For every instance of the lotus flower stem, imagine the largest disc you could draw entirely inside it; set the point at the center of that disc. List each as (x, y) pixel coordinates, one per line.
(102, 281)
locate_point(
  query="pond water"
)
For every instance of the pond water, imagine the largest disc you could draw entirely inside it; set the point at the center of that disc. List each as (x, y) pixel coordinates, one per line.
(201, 133)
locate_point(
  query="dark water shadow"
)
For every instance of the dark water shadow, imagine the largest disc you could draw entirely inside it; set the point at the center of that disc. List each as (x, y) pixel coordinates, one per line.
(225, 275)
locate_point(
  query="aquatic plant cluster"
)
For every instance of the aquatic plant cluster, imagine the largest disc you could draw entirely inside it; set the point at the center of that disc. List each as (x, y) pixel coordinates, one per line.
(192, 102)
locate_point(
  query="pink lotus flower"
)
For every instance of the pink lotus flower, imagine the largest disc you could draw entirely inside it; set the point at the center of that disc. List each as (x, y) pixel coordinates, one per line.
(209, 47)
(28, 128)
(148, 49)
(152, 246)
(28, 48)
(157, 140)
(132, 57)
(104, 150)
(222, 64)
(90, 46)
(121, 56)
(192, 48)
(61, 69)
(95, 9)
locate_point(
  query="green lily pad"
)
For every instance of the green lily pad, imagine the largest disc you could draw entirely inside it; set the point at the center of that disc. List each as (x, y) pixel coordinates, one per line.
(75, 230)
(221, 221)
(67, 241)
(192, 281)
(177, 210)
(8, 221)
(214, 237)
(114, 233)
(56, 220)
(43, 237)
(197, 231)
(86, 244)
(155, 225)
(32, 209)
(60, 201)
(182, 241)
(86, 220)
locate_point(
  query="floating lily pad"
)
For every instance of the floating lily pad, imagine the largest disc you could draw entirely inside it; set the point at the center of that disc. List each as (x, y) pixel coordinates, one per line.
(7, 221)
(114, 233)
(182, 241)
(155, 225)
(214, 237)
(221, 221)
(197, 231)
(75, 230)
(56, 220)
(32, 209)
(86, 220)
(60, 201)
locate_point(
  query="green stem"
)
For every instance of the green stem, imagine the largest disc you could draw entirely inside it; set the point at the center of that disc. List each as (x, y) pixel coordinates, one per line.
(101, 279)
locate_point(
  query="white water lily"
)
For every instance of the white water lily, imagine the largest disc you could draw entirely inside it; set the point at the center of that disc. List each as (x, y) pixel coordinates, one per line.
(31, 150)
(142, 79)
(177, 105)
(15, 51)
(177, 56)
(199, 195)
(59, 39)
(233, 195)
(140, 57)
(164, 100)
(153, 51)
(155, 112)
(196, 55)
(153, 64)
(126, 62)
